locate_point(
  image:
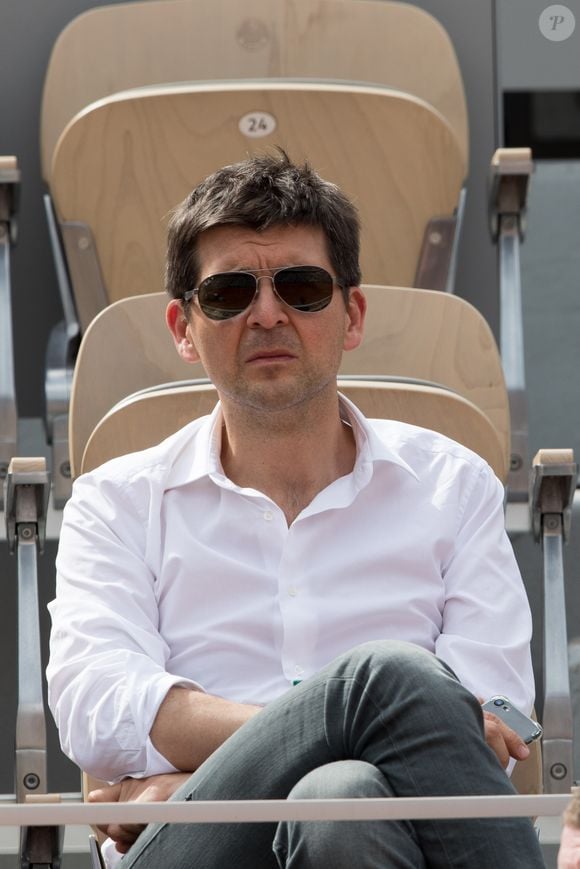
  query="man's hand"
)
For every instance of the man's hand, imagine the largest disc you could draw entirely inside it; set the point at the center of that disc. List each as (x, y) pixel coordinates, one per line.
(155, 789)
(503, 740)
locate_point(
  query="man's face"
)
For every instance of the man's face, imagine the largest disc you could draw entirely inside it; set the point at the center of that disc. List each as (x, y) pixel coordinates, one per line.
(270, 357)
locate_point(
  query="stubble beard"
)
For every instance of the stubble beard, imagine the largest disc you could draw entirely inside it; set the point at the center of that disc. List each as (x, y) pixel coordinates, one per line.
(271, 403)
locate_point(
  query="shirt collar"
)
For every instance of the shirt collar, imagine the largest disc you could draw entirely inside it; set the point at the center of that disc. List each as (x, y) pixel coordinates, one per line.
(370, 447)
(200, 443)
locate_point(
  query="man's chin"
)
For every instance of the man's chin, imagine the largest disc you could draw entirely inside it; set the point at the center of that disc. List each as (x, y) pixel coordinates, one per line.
(273, 398)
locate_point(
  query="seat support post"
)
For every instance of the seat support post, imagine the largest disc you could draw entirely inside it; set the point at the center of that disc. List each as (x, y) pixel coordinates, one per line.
(553, 480)
(510, 174)
(26, 494)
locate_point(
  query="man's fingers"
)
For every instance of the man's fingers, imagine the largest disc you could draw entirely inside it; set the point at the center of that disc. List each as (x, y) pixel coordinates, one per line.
(124, 835)
(515, 744)
(494, 738)
(504, 741)
(106, 794)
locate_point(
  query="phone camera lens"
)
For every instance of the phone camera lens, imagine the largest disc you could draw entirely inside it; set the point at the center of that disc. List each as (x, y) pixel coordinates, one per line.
(498, 702)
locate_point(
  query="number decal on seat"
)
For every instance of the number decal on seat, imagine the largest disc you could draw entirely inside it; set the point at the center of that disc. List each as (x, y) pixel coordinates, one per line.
(257, 124)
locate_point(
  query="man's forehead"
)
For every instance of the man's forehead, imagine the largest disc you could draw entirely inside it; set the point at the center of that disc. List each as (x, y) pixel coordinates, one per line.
(234, 246)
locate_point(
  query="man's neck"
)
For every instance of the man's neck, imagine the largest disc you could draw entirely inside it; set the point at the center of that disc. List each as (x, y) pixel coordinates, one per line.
(289, 455)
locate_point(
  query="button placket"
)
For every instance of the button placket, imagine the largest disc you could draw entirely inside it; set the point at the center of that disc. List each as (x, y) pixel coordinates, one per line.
(299, 620)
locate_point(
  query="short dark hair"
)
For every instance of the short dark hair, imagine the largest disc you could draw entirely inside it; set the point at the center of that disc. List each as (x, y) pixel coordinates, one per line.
(263, 191)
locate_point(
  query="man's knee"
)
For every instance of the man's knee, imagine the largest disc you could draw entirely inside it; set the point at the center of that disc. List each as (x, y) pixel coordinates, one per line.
(343, 779)
(329, 843)
(401, 678)
(397, 659)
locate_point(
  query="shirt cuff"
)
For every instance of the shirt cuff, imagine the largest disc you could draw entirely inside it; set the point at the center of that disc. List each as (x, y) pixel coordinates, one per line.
(155, 762)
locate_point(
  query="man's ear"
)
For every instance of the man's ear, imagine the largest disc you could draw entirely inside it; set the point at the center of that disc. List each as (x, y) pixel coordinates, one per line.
(356, 309)
(180, 328)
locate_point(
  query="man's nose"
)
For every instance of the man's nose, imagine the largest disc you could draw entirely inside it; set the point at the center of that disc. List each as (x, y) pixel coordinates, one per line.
(267, 309)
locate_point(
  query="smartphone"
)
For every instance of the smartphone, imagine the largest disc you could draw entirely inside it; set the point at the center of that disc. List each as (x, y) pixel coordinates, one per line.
(96, 857)
(527, 728)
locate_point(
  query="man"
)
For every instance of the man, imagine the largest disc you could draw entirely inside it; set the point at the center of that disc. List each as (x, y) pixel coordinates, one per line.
(275, 597)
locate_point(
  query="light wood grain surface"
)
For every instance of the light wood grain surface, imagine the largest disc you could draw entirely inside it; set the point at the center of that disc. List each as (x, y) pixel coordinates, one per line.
(409, 333)
(27, 465)
(111, 48)
(126, 348)
(437, 337)
(554, 457)
(123, 164)
(148, 418)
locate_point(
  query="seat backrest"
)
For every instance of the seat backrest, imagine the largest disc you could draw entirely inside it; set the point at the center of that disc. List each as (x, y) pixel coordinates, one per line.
(123, 164)
(418, 334)
(437, 337)
(147, 417)
(127, 347)
(111, 48)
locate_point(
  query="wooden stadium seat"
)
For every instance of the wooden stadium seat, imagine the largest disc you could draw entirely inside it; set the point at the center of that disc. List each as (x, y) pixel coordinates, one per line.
(428, 337)
(112, 48)
(147, 417)
(126, 348)
(315, 66)
(124, 162)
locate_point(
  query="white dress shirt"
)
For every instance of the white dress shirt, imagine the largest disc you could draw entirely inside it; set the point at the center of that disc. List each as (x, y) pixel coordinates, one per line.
(170, 574)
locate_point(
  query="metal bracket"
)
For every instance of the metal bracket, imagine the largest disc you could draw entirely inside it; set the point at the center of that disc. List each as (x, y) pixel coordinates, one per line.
(72, 328)
(57, 386)
(509, 182)
(9, 197)
(26, 497)
(80, 273)
(553, 480)
(552, 484)
(61, 467)
(435, 256)
(90, 295)
(437, 264)
(41, 847)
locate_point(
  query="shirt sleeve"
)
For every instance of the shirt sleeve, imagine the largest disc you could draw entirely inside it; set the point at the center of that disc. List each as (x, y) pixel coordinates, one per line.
(487, 623)
(107, 670)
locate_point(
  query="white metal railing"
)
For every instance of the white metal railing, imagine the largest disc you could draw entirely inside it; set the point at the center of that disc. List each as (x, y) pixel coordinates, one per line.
(258, 811)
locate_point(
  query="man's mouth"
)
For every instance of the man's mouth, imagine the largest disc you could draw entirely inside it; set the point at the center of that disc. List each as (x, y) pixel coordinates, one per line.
(276, 355)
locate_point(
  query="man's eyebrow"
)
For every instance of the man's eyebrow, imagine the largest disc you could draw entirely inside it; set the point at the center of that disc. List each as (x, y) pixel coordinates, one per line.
(241, 268)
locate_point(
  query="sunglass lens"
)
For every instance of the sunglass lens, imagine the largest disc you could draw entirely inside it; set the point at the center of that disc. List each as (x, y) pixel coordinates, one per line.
(226, 295)
(305, 288)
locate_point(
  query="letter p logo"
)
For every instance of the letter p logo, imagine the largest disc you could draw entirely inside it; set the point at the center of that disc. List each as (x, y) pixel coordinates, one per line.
(557, 23)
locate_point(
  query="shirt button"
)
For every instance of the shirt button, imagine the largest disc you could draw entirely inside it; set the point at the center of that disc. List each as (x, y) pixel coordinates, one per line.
(292, 591)
(268, 516)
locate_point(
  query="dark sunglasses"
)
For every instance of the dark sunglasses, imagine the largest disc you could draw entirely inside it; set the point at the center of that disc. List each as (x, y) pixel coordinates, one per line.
(227, 294)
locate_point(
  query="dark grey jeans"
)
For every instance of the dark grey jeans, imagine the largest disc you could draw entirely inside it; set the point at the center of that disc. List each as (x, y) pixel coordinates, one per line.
(413, 730)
